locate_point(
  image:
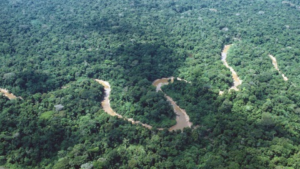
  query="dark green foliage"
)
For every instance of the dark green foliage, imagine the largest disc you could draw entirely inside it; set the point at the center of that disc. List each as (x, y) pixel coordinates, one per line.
(50, 52)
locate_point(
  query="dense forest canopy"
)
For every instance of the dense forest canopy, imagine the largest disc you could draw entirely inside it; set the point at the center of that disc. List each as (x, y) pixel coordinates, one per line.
(50, 52)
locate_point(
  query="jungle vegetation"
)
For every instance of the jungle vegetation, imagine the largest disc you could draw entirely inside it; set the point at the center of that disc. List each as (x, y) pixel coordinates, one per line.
(50, 52)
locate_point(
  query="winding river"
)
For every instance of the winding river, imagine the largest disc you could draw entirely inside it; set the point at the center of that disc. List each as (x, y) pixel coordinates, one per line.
(107, 108)
(236, 80)
(182, 119)
(274, 62)
(10, 96)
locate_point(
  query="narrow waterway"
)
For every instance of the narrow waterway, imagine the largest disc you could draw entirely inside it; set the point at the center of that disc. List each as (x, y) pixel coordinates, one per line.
(10, 96)
(107, 108)
(274, 62)
(106, 102)
(236, 80)
(182, 119)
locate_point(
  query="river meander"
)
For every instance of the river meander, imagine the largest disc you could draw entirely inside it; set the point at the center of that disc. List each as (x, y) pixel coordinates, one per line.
(10, 96)
(236, 80)
(182, 119)
(274, 62)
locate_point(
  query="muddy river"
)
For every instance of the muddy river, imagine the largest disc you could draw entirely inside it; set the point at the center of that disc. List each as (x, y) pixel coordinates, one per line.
(182, 119)
(236, 80)
(274, 62)
(10, 96)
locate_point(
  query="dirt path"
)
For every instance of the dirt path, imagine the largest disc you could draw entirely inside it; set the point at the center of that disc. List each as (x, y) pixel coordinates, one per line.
(236, 80)
(10, 96)
(182, 119)
(274, 62)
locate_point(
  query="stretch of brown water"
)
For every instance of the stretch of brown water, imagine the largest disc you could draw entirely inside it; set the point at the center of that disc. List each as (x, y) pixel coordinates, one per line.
(236, 80)
(10, 96)
(274, 62)
(182, 119)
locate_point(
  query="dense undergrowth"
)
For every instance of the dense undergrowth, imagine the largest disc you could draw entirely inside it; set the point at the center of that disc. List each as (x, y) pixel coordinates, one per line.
(51, 50)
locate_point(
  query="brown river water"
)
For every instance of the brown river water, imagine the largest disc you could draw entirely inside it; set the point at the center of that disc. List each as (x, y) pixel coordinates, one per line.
(107, 108)
(236, 80)
(182, 119)
(10, 96)
(274, 62)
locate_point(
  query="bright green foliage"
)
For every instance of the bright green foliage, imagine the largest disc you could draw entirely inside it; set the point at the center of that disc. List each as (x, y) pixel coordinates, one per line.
(47, 115)
(50, 52)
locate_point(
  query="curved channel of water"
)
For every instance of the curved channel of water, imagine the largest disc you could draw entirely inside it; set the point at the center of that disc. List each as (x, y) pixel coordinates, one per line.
(182, 119)
(10, 96)
(236, 80)
(274, 62)
(107, 108)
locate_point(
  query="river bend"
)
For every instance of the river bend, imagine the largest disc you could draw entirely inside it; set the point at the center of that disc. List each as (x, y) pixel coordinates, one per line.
(236, 80)
(182, 119)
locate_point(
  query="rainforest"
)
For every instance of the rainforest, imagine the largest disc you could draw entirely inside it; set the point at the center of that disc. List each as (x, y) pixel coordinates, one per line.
(149, 84)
